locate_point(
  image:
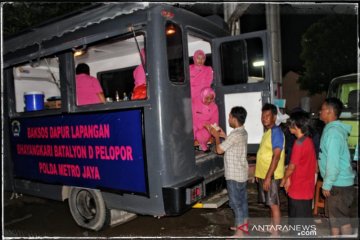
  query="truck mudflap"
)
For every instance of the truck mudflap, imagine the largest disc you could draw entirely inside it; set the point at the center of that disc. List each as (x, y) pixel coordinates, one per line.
(181, 197)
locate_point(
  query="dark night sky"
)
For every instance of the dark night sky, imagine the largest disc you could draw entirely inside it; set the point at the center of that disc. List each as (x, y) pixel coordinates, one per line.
(292, 29)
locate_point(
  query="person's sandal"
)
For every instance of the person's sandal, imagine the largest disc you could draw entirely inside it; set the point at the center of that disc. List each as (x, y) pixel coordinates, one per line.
(232, 228)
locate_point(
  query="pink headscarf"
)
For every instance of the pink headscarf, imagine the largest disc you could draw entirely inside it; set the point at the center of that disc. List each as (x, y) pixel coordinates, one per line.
(206, 92)
(197, 53)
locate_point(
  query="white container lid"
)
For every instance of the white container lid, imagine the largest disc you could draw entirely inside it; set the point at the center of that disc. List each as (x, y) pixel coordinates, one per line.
(33, 93)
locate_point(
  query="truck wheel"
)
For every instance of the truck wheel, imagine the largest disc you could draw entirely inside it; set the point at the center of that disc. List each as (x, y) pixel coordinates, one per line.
(88, 208)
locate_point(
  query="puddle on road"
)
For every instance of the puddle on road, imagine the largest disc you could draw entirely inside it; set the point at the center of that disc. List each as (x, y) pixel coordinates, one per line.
(218, 216)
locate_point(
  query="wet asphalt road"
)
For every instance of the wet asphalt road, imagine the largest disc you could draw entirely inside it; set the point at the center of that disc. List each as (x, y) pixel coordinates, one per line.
(34, 217)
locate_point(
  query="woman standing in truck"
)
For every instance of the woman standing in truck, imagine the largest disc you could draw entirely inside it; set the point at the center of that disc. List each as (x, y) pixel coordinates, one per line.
(201, 76)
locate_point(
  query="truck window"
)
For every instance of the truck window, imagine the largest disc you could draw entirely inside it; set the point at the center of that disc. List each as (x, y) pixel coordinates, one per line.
(37, 85)
(242, 61)
(117, 84)
(344, 90)
(113, 63)
(175, 54)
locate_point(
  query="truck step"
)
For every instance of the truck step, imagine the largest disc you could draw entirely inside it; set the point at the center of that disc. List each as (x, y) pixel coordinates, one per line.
(214, 201)
(119, 217)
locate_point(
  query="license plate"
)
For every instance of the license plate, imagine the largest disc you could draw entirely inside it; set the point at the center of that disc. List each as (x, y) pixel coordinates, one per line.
(195, 193)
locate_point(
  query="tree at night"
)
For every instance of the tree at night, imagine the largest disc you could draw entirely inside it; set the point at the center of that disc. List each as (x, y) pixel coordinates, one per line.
(329, 49)
(19, 16)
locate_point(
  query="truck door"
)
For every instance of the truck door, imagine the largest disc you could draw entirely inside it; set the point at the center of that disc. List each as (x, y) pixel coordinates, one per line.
(242, 71)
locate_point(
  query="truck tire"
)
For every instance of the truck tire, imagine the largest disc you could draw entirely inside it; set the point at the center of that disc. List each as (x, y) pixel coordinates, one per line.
(88, 208)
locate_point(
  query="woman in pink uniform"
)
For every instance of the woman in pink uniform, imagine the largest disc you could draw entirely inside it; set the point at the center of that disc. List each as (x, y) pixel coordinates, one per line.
(201, 76)
(205, 113)
(139, 91)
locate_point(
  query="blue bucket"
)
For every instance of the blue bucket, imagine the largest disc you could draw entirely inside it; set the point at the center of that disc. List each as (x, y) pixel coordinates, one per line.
(34, 101)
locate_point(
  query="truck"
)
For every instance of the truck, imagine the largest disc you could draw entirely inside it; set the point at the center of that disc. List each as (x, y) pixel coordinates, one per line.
(346, 88)
(124, 157)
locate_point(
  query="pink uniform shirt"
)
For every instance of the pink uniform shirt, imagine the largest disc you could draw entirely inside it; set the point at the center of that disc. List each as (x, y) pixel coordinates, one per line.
(87, 89)
(139, 76)
(139, 72)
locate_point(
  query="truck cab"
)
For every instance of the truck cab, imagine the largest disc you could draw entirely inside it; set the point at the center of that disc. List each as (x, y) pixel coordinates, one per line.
(346, 88)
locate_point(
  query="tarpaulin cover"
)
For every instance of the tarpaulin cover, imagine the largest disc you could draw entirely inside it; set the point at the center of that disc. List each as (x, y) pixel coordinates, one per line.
(59, 28)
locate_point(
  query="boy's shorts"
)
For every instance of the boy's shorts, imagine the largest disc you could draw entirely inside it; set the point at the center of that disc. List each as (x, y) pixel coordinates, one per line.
(270, 197)
(337, 206)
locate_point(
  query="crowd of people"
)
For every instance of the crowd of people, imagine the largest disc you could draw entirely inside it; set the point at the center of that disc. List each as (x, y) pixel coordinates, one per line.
(293, 165)
(288, 157)
(298, 176)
